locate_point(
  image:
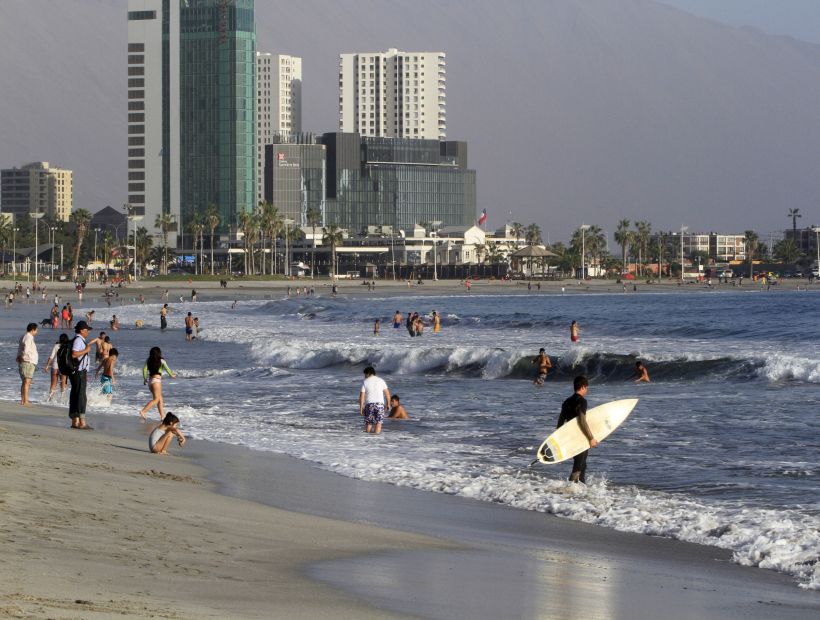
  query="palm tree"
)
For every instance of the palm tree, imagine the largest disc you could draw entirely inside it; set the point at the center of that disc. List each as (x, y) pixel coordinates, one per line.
(333, 235)
(142, 243)
(752, 243)
(624, 238)
(314, 218)
(532, 234)
(517, 231)
(643, 231)
(81, 219)
(108, 243)
(794, 214)
(5, 234)
(786, 251)
(195, 227)
(164, 221)
(212, 221)
(270, 222)
(249, 223)
(480, 250)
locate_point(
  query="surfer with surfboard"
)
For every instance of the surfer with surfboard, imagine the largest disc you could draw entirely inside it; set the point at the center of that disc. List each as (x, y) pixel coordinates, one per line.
(576, 407)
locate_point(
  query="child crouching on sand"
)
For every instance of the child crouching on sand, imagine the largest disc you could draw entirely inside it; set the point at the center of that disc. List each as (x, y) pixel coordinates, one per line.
(161, 435)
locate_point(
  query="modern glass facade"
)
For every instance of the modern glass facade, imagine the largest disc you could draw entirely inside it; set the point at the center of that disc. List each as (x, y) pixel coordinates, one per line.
(295, 179)
(217, 108)
(397, 182)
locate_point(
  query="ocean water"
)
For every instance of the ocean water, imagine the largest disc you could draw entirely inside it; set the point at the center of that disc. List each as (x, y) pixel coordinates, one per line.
(722, 448)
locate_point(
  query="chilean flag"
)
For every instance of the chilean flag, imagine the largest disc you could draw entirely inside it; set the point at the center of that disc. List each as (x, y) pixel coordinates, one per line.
(483, 217)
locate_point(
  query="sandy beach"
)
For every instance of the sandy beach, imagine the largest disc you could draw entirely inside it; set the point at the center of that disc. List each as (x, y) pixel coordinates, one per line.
(96, 527)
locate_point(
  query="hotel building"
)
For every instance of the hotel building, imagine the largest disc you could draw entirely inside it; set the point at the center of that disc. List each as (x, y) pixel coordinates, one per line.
(278, 104)
(393, 94)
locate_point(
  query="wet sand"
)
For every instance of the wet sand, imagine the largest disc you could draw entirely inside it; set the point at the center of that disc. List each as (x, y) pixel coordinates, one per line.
(96, 527)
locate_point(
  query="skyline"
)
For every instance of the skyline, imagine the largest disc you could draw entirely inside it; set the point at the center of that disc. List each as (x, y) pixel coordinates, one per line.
(535, 182)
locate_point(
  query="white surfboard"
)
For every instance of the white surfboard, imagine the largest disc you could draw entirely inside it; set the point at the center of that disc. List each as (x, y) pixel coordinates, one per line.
(569, 440)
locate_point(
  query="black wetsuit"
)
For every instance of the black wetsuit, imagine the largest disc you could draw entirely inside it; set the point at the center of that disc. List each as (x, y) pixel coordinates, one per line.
(572, 407)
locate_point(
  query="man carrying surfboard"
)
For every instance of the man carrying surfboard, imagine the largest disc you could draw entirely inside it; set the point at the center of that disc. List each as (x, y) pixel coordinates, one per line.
(576, 407)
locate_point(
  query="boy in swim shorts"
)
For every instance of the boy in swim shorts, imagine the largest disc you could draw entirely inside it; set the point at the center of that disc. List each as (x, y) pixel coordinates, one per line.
(373, 397)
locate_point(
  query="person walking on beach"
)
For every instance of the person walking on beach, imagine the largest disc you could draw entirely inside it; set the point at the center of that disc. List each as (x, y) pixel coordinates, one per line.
(27, 362)
(189, 327)
(155, 365)
(576, 407)
(162, 433)
(544, 365)
(163, 317)
(78, 379)
(373, 397)
(52, 367)
(641, 374)
(574, 331)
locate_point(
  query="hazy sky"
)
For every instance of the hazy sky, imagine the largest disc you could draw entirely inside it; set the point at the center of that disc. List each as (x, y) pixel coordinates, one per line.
(576, 111)
(795, 18)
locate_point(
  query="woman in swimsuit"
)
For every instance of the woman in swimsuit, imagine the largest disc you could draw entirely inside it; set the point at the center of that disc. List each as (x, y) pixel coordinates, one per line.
(152, 376)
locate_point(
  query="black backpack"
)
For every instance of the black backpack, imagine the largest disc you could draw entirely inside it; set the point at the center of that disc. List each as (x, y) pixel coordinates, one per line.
(67, 363)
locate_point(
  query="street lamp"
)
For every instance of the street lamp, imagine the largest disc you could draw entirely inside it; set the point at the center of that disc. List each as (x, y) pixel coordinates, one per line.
(683, 229)
(817, 245)
(14, 253)
(52, 231)
(132, 218)
(584, 229)
(96, 230)
(434, 237)
(36, 217)
(287, 222)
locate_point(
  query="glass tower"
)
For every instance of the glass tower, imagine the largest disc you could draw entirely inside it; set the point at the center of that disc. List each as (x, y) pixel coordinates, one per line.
(217, 73)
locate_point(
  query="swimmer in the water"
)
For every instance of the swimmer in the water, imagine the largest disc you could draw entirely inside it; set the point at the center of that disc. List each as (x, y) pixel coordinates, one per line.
(544, 365)
(397, 318)
(641, 374)
(574, 331)
(397, 410)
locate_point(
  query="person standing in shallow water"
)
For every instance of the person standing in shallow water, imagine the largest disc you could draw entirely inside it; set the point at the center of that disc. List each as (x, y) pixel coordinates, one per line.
(574, 331)
(373, 397)
(576, 407)
(163, 317)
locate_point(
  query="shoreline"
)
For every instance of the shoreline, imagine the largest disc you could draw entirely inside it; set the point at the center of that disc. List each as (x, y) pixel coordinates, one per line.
(302, 527)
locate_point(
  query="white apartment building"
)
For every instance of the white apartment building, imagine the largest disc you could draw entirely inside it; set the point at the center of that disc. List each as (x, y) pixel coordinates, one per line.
(278, 104)
(37, 188)
(393, 94)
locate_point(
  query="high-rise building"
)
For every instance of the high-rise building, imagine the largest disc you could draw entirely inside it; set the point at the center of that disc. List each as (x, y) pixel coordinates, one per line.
(278, 104)
(393, 94)
(37, 188)
(192, 109)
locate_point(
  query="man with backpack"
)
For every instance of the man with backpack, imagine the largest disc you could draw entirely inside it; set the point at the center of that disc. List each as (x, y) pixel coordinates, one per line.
(73, 361)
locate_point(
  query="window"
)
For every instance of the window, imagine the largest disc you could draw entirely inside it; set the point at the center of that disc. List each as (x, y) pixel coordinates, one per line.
(136, 83)
(132, 129)
(136, 187)
(137, 15)
(136, 152)
(136, 117)
(136, 47)
(136, 59)
(136, 94)
(136, 70)
(136, 141)
(136, 198)
(136, 105)
(136, 176)
(136, 163)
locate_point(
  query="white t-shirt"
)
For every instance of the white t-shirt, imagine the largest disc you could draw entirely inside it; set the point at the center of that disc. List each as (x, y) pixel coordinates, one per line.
(78, 345)
(373, 389)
